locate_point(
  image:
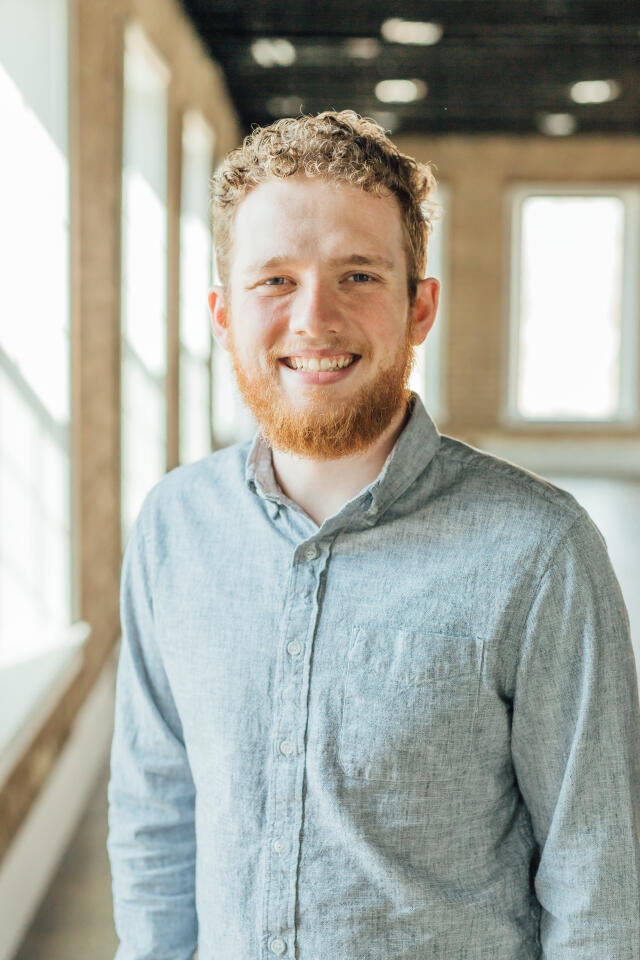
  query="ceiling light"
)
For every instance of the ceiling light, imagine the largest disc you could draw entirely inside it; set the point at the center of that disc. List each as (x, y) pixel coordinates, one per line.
(594, 91)
(557, 124)
(400, 91)
(274, 52)
(411, 31)
(362, 48)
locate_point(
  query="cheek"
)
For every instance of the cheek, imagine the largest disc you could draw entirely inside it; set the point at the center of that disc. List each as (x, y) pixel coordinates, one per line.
(260, 327)
(387, 329)
(263, 312)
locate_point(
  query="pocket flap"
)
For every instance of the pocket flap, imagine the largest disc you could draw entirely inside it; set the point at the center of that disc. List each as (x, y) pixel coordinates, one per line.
(416, 656)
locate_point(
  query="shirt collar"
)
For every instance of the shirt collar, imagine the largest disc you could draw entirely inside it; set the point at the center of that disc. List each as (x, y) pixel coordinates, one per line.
(411, 454)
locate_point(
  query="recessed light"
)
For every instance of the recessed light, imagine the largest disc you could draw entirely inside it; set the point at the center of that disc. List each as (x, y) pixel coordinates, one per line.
(400, 91)
(557, 124)
(273, 52)
(419, 32)
(595, 91)
(362, 48)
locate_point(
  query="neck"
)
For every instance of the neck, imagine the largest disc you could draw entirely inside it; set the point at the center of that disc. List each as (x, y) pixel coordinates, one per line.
(321, 487)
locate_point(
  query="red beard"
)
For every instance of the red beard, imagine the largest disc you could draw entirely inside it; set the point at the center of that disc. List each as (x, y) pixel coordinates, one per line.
(322, 430)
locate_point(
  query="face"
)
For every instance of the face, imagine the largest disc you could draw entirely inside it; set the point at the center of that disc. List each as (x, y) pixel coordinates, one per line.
(317, 317)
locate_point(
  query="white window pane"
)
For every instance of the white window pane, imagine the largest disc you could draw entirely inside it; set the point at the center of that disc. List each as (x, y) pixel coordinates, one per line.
(19, 528)
(144, 274)
(195, 281)
(143, 436)
(34, 197)
(35, 547)
(35, 527)
(195, 277)
(145, 306)
(195, 235)
(426, 377)
(195, 429)
(570, 306)
(232, 419)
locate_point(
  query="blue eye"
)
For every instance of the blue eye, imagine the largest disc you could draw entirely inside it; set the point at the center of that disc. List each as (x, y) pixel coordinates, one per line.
(360, 277)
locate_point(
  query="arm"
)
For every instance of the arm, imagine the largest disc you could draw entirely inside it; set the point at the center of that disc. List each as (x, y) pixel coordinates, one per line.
(576, 753)
(151, 841)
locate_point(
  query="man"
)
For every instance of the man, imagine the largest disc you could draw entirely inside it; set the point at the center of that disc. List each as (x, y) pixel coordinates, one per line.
(376, 695)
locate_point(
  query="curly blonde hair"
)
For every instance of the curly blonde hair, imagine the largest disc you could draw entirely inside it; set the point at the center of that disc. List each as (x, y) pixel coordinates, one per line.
(333, 146)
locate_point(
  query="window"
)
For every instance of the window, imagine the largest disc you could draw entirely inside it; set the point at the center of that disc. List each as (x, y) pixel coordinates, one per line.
(195, 281)
(574, 305)
(232, 421)
(35, 554)
(427, 375)
(144, 273)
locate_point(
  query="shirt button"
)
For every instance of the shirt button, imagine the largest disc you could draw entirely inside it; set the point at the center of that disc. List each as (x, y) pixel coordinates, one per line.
(287, 748)
(294, 647)
(280, 846)
(373, 510)
(311, 552)
(278, 946)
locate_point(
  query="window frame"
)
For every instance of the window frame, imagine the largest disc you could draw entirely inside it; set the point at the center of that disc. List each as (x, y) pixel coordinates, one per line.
(628, 412)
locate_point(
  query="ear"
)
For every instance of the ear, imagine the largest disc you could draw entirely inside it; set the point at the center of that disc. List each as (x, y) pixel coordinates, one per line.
(424, 309)
(219, 321)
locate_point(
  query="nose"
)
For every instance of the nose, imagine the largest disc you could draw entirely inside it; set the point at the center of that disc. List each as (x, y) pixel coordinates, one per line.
(315, 312)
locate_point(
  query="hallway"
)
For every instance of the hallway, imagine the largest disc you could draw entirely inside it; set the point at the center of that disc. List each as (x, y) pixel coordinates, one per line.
(133, 132)
(75, 920)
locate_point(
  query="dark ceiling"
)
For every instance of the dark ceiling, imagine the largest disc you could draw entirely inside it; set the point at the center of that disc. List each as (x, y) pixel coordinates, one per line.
(500, 66)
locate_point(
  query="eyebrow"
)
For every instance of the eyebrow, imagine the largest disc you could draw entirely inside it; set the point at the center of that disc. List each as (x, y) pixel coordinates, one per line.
(352, 259)
(362, 261)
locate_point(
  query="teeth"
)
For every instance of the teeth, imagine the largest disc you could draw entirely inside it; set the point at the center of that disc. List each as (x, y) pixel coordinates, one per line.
(324, 363)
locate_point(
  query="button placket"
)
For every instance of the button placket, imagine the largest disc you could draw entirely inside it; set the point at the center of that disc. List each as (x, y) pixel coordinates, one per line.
(284, 803)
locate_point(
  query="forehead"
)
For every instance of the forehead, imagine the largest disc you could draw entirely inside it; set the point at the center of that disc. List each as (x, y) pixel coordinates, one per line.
(311, 217)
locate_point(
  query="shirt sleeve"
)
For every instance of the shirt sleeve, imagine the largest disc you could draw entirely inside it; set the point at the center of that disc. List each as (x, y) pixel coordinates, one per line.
(575, 747)
(151, 837)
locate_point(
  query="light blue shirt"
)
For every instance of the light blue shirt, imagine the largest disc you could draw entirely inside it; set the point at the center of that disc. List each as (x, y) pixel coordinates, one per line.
(409, 733)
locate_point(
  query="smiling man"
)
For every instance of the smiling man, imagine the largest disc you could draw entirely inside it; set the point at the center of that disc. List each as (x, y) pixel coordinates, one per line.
(323, 343)
(376, 697)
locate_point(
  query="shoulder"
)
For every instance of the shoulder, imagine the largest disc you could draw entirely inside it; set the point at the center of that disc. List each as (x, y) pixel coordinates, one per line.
(506, 496)
(200, 486)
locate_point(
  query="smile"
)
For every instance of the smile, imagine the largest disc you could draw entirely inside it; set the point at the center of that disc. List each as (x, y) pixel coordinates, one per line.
(315, 364)
(320, 370)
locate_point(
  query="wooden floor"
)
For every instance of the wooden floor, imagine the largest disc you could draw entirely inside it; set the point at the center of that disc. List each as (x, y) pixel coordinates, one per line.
(74, 921)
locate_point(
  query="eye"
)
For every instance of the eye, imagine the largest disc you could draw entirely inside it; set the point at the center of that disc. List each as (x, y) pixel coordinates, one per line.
(275, 281)
(361, 277)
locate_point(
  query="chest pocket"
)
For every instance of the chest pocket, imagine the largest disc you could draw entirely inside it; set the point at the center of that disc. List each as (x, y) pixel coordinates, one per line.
(410, 705)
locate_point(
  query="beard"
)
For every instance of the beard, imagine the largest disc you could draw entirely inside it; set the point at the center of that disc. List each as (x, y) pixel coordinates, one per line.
(323, 428)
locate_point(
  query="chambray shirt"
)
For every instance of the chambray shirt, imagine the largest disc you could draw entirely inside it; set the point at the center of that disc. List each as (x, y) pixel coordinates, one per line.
(409, 733)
